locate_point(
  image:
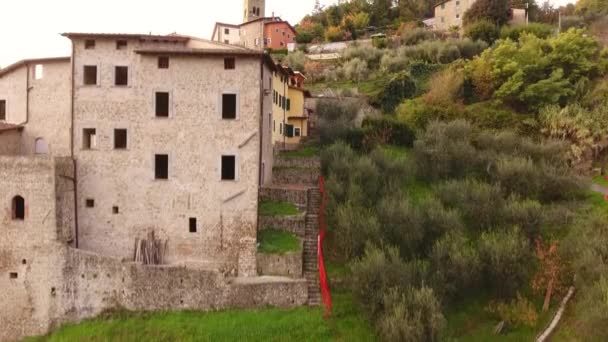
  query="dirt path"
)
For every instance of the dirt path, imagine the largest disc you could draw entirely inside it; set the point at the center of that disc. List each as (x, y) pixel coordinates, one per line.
(598, 188)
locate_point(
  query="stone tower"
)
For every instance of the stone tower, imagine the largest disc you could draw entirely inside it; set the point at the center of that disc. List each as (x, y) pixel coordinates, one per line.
(254, 9)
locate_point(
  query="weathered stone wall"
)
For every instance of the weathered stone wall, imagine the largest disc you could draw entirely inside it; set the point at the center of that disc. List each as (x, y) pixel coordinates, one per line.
(31, 259)
(49, 109)
(10, 143)
(194, 136)
(292, 224)
(295, 196)
(296, 175)
(13, 89)
(304, 162)
(288, 264)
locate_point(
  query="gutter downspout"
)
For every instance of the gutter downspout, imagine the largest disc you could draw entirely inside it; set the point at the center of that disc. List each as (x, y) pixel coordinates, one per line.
(261, 176)
(27, 94)
(76, 243)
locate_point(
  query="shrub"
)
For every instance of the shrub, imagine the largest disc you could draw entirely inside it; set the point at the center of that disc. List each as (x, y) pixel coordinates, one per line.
(456, 265)
(395, 132)
(380, 42)
(369, 54)
(401, 225)
(393, 62)
(420, 69)
(296, 60)
(334, 34)
(444, 150)
(539, 30)
(411, 317)
(437, 221)
(525, 214)
(518, 175)
(417, 35)
(378, 271)
(400, 87)
(479, 203)
(352, 228)
(445, 87)
(503, 253)
(519, 311)
(336, 119)
(356, 70)
(482, 30)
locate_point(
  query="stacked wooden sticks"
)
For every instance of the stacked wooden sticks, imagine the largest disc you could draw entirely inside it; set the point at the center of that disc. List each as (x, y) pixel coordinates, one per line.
(150, 251)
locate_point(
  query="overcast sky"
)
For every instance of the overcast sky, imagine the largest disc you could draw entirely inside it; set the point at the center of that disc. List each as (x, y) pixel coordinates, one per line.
(30, 28)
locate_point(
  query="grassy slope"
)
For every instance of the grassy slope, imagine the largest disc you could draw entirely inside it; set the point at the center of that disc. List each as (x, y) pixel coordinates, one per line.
(305, 152)
(270, 208)
(302, 324)
(273, 241)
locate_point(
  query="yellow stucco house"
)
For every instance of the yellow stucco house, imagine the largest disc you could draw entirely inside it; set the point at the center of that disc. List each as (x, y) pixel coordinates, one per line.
(289, 116)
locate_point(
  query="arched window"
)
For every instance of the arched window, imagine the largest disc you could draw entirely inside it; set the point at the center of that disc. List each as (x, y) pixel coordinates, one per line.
(41, 147)
(18, 209)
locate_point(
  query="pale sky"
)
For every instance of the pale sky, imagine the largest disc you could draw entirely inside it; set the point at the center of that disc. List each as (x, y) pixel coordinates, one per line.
(30, 28)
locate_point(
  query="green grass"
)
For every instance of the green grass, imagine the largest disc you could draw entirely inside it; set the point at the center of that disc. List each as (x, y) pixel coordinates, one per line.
(470, 322)
(302, 324)
(370, 87)
(272, 241)
(396, 152)
(271, 208)
(305, 152)
(600, 180)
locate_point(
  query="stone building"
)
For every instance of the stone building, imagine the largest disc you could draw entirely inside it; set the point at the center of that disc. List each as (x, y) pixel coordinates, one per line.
(134, 134)
(449, 14)
(226, 33)
(253, 9)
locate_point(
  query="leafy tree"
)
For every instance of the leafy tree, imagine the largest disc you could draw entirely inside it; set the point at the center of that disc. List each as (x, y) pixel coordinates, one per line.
(334, 34)
(592, 7)
(550, 277)
(482, 30)
(495, 11)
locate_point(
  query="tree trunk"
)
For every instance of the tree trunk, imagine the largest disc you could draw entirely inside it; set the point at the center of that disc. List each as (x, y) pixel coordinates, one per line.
(548, 295)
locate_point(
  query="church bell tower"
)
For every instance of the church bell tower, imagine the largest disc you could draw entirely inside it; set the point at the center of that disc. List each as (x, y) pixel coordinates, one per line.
(254, 9)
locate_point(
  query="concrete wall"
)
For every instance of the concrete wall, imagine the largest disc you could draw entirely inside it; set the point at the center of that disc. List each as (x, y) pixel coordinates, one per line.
(10, 143)
(288, 264)
(194, 136)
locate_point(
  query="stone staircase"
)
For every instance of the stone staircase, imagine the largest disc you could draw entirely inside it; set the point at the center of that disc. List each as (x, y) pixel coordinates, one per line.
(311, 266)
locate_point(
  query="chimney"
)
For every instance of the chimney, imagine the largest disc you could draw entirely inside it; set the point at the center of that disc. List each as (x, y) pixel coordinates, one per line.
(272, 15)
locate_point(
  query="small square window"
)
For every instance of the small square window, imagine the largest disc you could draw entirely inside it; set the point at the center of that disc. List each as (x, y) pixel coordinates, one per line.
(192, 225)
(226, 41)
(228, 168)
(115, 210)
(13, 275)
(89, 44)
(2, 110)
(90, 203)
(90, 75)
(121, 76)
(297, 132)
(228, 106)
(163, 62)
(89, 139)
(121, 44)
(161, 166)
(120, 139)
(162, 105)
(226, 31)
(229, 63)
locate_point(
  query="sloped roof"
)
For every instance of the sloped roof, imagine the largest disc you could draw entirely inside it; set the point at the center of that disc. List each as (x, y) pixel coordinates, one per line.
(25, 62)
(170, 37)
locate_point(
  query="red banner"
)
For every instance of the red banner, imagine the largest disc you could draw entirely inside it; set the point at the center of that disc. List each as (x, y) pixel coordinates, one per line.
(325, 294)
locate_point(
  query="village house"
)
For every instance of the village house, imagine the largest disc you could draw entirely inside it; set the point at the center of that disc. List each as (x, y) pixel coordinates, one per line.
(132, 135)
(449, 14)
(257, 31)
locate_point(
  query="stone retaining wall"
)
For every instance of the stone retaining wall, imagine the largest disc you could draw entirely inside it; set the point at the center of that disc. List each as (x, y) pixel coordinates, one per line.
(304, 162)
(296, 175)
(297, 197)
(292, 224)
(288, 264)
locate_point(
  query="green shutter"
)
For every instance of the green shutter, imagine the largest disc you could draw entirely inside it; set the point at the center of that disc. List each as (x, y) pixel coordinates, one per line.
(289, 131)
(288, 104)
